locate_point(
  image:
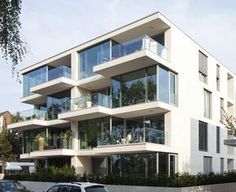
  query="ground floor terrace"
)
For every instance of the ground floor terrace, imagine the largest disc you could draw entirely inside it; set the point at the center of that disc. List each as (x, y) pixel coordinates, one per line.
(143, 164)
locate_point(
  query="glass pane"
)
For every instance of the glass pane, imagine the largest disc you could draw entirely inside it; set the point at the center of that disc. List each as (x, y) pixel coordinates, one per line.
(133, 88)
(135, 130)
(93, 56)
(94, 132)
(172, 88)
(34, 78)
(116, 92)
(163, 85)
(134, 164)
(154, 129)
(152, 83)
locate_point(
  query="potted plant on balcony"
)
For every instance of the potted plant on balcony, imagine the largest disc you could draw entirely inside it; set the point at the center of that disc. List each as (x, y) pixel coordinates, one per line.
(41, 142)
(68, 136)
(89, 100)
(63, 140)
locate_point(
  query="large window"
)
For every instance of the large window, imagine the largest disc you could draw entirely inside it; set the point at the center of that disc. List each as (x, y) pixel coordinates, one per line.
(203, 136)
(217, 139)
(94, 132)
(93, 56)
(202, 67)
(207, 165)
(30, 139)
(143, 164)
(34, 78)
(207, 104)
(143, 86)
(146, 129)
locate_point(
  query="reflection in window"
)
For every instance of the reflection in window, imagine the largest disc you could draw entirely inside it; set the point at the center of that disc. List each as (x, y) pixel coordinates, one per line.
(133, 88)
(94, 132)
(163, 85)
(134, 164)
(143, 86)
(34, 78)
(93, 56)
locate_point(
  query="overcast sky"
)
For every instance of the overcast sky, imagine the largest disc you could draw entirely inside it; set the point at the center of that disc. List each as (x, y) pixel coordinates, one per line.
(53, 26)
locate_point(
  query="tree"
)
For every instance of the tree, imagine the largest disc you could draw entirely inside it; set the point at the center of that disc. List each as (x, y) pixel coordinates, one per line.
(230, 123)
(11, 44)
(5, 149)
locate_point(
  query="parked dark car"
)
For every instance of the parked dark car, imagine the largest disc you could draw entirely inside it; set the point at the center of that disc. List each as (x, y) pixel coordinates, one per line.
(77, 187)
(12, 186)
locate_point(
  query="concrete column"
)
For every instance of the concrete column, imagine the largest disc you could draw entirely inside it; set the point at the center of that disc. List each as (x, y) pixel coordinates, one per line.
(167, 120)
(74, 66)
(75, 132)
(168, 43)
(83, 165)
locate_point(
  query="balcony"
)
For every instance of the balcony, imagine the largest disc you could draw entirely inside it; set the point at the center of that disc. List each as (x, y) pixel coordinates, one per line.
(34, 118)
(141, 109)
(28, 119)
(58, 79)
(87, 107)
(132, 55)
(136, 140)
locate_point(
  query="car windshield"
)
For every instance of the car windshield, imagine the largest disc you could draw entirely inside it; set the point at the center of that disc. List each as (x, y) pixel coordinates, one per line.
(11, 186)
(96, 189)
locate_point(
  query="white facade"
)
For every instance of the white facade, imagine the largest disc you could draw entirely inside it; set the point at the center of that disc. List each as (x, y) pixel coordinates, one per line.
(181, 120)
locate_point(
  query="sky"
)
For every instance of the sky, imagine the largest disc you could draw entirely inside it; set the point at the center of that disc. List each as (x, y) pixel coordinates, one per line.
(50, 27)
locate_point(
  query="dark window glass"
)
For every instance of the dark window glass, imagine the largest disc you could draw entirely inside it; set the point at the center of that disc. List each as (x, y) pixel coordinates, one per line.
(160, 38)
(152, 83)
(95, 189)
(53, 188)
(134, 164)
(154, 129)
(133, 88)
(75, 189)
(94, 132)
(217, 139)
(64, 188)
(163, 164)
(203, 136)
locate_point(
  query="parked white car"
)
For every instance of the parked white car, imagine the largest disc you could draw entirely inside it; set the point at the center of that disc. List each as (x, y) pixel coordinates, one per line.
(77, 187)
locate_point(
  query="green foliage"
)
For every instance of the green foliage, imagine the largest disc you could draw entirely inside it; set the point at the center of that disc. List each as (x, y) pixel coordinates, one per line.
(5, 148)
(50, 174)
(230, 123)
(67, 174)
(179, 180)
(11, 44)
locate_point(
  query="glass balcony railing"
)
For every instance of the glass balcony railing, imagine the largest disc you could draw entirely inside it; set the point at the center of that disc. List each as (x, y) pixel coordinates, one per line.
(135, 45)
(59, 143)
(134, 135)
(29, 115)
(62, 71)
(96, 99)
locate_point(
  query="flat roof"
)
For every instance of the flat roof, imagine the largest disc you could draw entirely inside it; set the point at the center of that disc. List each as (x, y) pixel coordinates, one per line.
(113, 33)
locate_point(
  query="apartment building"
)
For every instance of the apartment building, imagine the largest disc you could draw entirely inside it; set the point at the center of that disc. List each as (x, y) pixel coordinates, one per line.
(142, 99)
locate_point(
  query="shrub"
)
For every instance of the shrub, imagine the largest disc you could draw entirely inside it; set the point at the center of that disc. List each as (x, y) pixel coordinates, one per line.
(67, 174)
(50, 174)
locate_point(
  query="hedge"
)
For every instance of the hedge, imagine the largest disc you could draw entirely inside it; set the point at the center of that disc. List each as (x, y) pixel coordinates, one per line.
(67, 174)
